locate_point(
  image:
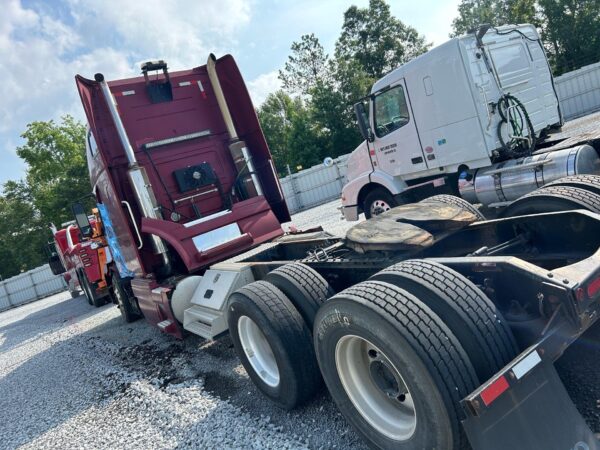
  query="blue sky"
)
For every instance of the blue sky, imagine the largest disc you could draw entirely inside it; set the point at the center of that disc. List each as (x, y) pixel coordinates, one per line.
(44, 43)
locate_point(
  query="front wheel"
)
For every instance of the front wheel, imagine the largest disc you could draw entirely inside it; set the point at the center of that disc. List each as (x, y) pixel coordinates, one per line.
(124, 299)
(377, 201)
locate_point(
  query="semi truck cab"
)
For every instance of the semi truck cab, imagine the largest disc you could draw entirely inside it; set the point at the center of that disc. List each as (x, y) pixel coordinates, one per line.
(443, 114)
(182, 173)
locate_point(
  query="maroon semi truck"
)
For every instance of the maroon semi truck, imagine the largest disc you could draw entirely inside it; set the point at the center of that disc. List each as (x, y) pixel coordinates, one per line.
(431, 326)
(182, 169)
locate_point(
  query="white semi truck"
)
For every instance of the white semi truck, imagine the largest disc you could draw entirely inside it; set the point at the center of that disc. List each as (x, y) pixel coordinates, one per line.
(473, 118)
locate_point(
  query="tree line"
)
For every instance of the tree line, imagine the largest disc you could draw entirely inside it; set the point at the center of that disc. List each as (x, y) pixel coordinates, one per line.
(308, 119)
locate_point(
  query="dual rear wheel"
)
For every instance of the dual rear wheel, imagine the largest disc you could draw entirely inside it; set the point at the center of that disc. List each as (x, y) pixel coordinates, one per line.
(394, 367)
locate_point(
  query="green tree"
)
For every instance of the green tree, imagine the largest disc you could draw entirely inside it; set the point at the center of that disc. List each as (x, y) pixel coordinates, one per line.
(305, 67)
(570, 32)
(23, 233)
(292, 136)
(377, 40)
(57, 173)
(56, 176)
(472, 13)
(332, 105)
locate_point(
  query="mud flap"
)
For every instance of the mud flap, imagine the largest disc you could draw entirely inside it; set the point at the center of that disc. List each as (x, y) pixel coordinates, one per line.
(536, 412)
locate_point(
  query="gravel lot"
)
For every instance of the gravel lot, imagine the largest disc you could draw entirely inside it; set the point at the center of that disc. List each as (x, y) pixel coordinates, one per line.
(75, 376)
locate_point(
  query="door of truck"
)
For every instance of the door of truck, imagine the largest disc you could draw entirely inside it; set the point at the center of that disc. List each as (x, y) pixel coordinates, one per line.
(397, 145)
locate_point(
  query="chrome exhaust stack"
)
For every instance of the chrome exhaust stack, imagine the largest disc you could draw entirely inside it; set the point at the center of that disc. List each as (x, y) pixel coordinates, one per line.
(137, 175)
(238, 149)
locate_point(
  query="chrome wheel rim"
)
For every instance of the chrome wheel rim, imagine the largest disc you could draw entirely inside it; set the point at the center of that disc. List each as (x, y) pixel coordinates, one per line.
(379, 206)
(258, 351)
(375, 387)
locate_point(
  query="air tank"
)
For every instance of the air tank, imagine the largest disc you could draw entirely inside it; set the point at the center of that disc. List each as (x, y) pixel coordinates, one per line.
(506, 181)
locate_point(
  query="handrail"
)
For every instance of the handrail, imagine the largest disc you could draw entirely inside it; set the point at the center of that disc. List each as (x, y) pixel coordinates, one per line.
(69, 238)
(128, 206)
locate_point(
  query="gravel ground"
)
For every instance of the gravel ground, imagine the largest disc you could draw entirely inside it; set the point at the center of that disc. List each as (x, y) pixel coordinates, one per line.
(72, 376)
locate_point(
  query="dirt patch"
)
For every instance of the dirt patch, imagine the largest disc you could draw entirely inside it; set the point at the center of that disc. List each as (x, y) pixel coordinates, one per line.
(220, 385)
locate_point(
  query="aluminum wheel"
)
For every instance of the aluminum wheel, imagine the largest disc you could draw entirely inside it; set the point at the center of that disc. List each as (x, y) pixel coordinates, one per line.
(379, 206)
(258, 351)
(375, 387)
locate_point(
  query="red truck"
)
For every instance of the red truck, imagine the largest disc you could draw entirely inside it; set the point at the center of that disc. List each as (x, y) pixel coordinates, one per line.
(432, 326)
(80, 254)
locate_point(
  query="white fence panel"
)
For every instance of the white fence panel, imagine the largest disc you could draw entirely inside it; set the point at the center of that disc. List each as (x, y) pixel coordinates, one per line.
(30, 286)
(579, 91)
(315, 186)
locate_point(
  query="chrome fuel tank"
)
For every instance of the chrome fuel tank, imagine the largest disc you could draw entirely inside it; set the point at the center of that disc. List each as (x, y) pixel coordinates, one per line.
(506, 181)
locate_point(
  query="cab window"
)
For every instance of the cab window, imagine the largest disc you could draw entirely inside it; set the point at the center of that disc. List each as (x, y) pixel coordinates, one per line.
(391, 111)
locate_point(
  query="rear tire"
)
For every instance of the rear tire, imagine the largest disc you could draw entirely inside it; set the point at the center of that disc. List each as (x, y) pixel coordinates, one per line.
(468, 313)
(400, 344)
(377, 201)
(553, 199)
(305, 288)
(456, 201)
(589, 183)
(273, 344)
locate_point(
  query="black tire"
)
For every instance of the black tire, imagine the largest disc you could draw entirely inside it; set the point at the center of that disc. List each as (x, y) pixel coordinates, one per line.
(121, 295)
(288, 337)
(552, 199)
(435, 367)
(586, 182)
(378, 196)
(468, 313)
(83, 284)
(456, 201)
(306, 289)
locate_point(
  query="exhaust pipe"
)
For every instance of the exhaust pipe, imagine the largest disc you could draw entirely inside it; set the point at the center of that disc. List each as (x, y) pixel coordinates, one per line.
(137, 175)
(237, 148)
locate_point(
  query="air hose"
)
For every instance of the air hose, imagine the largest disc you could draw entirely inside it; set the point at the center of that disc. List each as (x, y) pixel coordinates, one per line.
(514, 114)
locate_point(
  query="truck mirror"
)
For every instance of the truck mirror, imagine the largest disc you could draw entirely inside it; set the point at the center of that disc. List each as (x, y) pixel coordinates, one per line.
(363, 121)
(81, 219)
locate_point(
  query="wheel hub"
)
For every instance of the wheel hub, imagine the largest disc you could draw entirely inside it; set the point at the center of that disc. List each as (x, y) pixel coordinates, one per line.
(258, 351)
(385, 379)
(375, 387)
(379, 206)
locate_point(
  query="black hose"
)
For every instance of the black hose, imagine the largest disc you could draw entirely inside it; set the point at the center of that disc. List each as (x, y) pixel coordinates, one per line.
(515, 148)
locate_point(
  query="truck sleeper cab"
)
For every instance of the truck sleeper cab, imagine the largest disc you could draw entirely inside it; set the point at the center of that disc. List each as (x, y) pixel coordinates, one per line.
(447, 121)
(183, 173)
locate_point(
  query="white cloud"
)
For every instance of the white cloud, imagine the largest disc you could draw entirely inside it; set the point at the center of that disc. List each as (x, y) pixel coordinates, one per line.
(262, 86)
(41, 53)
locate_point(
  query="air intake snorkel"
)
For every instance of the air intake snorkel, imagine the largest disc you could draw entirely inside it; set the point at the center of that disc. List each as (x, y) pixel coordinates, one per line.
(239, 152)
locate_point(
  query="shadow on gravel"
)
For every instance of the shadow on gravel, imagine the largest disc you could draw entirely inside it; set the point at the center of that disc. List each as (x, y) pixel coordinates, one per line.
(578, 369)
(49, 319)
